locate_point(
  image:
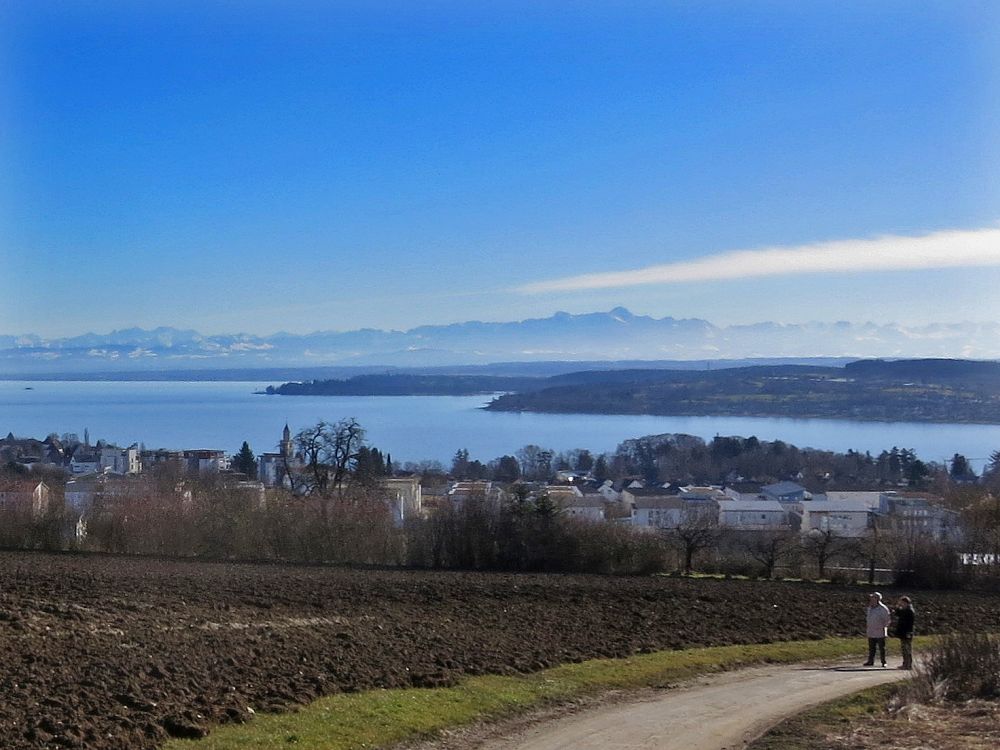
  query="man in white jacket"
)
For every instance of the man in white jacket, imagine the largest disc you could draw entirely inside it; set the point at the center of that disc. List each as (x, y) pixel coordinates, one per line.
(878, 617)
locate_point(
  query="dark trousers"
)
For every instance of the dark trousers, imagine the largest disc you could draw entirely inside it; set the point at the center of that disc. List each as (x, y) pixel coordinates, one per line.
(906, 649)
(874, 643)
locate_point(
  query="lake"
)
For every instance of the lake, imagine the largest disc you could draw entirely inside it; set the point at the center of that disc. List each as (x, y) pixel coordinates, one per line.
(412, 428)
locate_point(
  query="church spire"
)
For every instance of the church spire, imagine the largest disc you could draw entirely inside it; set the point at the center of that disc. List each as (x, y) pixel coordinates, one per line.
(286, 442)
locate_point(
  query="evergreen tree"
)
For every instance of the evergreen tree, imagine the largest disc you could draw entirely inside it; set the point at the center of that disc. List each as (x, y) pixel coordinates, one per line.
(961, 470)
(476, 470)
(369, 466)
(460, 464)
(992, 468)
(545, 506)
(244, 461)
(507, 469)
(918, 473)
(601, 473)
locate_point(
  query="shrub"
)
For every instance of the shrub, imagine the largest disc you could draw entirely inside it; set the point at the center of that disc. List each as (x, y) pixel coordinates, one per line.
(957, 668)
(930, 565)
(493, 536)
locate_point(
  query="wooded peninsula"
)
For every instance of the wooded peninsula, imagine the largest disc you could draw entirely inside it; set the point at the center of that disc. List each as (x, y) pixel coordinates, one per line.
(925, 390)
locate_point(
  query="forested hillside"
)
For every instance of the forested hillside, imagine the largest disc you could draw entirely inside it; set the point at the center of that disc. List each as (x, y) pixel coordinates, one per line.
(909, 390)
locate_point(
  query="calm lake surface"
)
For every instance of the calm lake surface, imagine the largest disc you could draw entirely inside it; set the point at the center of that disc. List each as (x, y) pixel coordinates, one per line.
(412, 428)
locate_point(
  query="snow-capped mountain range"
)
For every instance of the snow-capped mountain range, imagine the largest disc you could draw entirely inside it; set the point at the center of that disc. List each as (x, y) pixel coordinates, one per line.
(601, 336)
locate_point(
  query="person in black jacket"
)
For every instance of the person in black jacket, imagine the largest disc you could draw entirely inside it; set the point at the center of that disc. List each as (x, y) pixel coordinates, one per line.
(905, 616)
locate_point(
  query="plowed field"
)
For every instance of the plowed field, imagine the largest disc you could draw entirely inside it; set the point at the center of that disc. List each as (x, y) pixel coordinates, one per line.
(100, 652)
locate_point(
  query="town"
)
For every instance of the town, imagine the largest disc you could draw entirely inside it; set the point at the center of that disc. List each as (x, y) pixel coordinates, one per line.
(66, 493)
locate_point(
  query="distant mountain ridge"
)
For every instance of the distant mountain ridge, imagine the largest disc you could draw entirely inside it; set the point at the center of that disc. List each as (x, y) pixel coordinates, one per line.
(600, 336)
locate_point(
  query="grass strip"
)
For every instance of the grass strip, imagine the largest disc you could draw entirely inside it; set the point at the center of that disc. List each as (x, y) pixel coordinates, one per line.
(381, 718)
(810, 729)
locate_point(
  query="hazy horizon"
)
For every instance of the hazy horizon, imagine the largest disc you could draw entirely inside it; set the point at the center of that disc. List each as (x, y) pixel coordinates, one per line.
(486, 321)
(612, 336)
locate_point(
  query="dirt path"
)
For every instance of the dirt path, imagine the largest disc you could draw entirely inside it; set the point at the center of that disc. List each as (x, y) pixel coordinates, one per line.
(722, 713)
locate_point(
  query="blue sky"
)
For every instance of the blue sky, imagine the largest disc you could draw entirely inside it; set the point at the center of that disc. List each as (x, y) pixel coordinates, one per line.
(274, 166)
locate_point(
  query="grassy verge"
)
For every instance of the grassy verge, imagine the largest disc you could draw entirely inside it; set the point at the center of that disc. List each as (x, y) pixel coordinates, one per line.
(381, 718)
(809, 730)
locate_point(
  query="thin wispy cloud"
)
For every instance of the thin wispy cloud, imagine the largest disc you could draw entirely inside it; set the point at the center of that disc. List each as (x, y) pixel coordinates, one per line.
(947, 249)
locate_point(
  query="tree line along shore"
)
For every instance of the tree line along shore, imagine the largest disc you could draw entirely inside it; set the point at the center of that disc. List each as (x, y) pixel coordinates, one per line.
(951, 391)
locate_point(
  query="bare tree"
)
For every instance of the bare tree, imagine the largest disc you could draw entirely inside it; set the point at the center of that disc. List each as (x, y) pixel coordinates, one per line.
(876, 545)
(821, 546)
(536, 462)
(697, 530)
(328, 452)
(980, 518)
(770, 548)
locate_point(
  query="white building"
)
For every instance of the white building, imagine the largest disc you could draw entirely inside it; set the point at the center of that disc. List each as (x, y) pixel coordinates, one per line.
(657, 512)
(26, 496)
(462, 492)
(875, 500)
(916, 516)
(85, 461)
(608, 492)
(850, 517)
(120, 460)
(587, 507)
(273, 468)
(405, 498)
(694, 492)
(81, 491)
(85, 492)
(756, 515)
(663, 511)
(575, 503)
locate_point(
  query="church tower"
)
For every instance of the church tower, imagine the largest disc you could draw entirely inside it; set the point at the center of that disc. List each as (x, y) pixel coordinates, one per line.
(286, 442)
